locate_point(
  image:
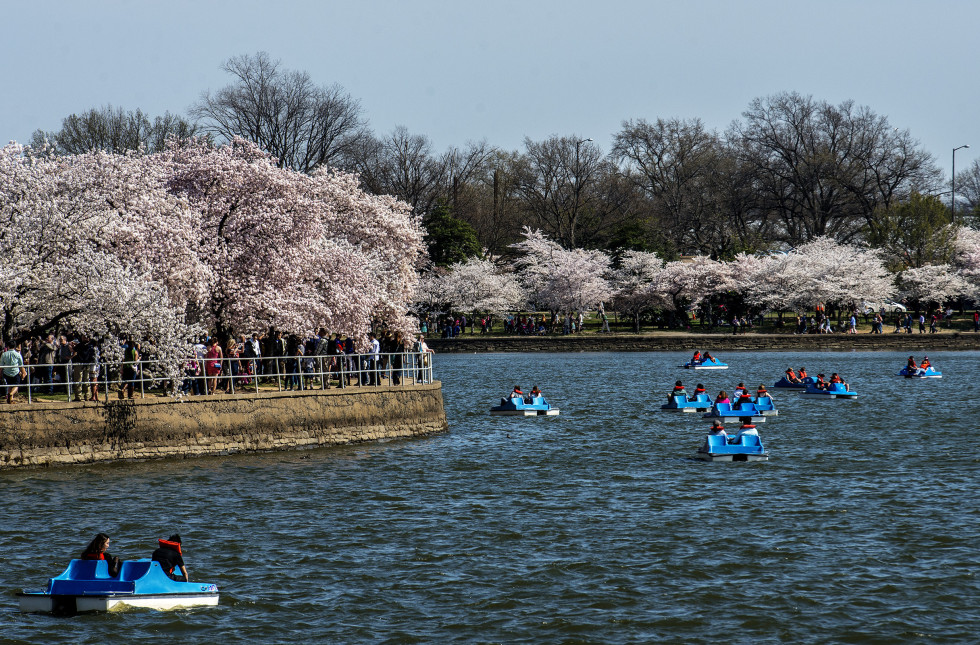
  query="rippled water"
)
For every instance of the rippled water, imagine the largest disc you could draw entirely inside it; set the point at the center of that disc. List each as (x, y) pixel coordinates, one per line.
(591, 527)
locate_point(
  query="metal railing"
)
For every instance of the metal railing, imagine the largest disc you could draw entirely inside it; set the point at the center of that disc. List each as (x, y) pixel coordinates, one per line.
(235, 375)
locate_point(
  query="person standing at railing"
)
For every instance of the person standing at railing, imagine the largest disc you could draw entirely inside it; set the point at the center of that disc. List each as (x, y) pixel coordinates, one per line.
(80, 368)
(212, 365)
(397, 357)
(130, 369)
(425, 360)
(49, 350)
(61, 358)
(232, 367)
(371, 360)
(90, 360)
(13, 369)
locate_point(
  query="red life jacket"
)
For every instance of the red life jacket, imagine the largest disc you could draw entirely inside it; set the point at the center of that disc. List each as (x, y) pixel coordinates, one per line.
(678, 388)
(93, 556)
(168, 544)
(747, 426)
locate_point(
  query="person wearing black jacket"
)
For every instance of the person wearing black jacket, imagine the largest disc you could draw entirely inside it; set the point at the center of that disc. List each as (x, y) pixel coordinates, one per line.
(170, 557)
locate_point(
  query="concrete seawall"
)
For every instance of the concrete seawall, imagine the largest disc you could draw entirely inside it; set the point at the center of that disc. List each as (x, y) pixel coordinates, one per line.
(674, 341)
(50, 434)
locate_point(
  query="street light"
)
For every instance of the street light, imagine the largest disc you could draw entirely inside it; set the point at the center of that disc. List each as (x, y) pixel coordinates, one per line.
(952, 198)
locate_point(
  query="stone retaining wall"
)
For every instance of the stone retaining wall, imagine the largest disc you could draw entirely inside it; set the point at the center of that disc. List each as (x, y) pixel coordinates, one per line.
(669, 342)
(47, 434)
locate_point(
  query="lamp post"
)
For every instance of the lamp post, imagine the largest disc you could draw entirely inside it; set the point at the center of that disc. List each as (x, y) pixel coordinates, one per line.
(952, 197)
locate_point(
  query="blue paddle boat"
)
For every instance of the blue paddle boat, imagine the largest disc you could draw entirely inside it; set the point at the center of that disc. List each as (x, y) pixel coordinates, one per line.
(786, 384)
(710, 364)
(87, 586)
(833, 391)
(680, 403)
(745, 447)
(929, 372)
(725, 413)
(516, 406)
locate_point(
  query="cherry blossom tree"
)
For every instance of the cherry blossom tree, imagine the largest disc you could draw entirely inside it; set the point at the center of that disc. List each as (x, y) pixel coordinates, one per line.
(932, 284)
(562, 280)
(473, 286)
(639, 285)
(967, 258)
(842, 274)
(67, 226)
(295, 251)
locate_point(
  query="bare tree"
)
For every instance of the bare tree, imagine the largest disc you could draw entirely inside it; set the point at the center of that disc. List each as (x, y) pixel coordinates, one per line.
(676, 163)
(823, 169)
(113, 130)
(401, 164)
(301, 124)
(564, 183)
(968, 191)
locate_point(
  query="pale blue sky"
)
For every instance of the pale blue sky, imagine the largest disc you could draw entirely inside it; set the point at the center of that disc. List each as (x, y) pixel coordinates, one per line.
(501, 70)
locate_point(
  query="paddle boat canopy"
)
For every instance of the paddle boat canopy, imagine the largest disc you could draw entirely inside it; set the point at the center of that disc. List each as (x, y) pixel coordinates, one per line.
(710, 364)
(725, 413)
(516, 406)
(748, 448)
(929, 372)
(833, 391)
(681, 403)
(786, 384)
(86, 586)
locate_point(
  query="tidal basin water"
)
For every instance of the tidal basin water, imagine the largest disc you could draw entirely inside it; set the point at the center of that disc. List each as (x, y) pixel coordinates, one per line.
(595, 526)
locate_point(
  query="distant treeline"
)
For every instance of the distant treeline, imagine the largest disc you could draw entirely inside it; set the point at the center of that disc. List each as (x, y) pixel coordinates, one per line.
(790, 169)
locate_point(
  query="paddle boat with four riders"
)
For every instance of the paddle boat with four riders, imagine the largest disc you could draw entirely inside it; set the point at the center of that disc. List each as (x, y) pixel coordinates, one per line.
(86, 586)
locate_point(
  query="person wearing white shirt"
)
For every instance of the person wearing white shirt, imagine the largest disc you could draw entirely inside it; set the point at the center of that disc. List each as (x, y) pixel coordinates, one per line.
(373, 357)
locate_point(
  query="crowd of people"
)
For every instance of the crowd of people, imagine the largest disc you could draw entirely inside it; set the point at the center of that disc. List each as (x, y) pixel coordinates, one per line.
(74, 365)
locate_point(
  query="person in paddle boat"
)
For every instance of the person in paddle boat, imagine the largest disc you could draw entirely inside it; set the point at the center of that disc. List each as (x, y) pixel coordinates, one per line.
(534, 393)
(791, 375)
(744, 397)
(96, 550)
(678, 389)
(708, 358)
(722, 397)
(819, 383)
(802, 374)
(762, 391)
(837, 378)
(924, 365)
(170, 557)
(517, 393)
(739, 390)
(696, 359)
(910, 366)
(745, 429)
(699, 390)
(717, 429)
